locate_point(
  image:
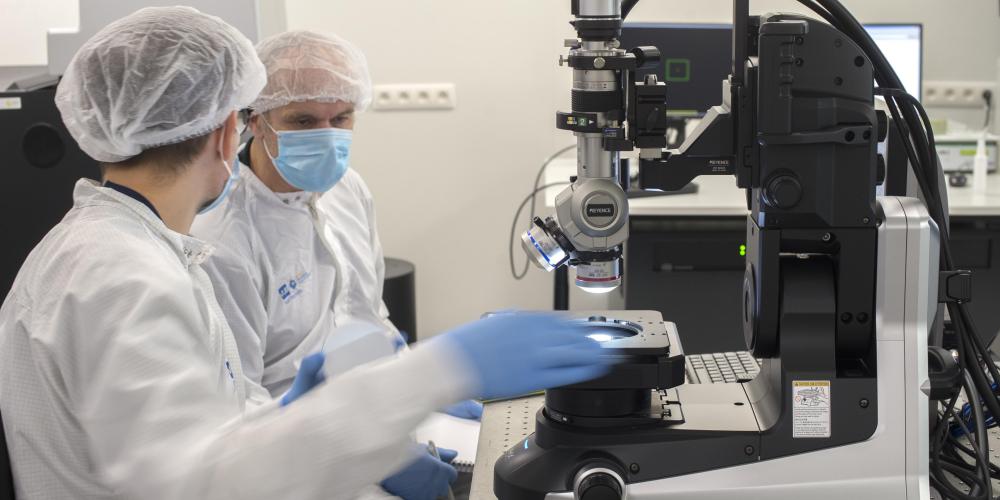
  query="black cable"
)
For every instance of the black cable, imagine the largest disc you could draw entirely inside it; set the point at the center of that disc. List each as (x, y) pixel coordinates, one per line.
(981, 460)
(825, 14)
(982, 354)
(541, 171)
(988, 97)
(982, 437)
(533, 196)
(910, 117)
(957, 446)
(885, 75)
(627, 7)
(940, 433)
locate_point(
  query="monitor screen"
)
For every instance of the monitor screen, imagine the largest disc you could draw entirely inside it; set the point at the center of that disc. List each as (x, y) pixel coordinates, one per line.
(902, 45)
(697, 58)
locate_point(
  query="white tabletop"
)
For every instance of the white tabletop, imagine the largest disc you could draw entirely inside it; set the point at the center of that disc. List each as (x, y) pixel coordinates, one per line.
(964, 202)
(718, 196)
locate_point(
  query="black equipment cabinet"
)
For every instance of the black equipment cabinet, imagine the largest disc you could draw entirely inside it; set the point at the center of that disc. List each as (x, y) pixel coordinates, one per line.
(41, 164)
(690, 269)
(975, 244)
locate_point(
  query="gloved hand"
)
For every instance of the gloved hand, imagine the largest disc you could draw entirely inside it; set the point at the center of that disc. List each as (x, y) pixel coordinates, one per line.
(427, 478)
(310, 375)
(468, 409)
(516, 353)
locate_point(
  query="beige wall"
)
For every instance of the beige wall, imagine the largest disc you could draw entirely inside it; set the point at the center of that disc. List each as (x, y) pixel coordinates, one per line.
(446, 183)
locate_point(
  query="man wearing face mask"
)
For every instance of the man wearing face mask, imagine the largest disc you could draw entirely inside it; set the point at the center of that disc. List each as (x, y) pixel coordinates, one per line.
(298, 253)
(119, 376)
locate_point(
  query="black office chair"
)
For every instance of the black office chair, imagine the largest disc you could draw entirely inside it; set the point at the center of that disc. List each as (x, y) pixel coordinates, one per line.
(6, 474)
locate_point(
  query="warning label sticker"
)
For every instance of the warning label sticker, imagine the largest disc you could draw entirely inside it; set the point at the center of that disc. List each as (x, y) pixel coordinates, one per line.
(811, 409)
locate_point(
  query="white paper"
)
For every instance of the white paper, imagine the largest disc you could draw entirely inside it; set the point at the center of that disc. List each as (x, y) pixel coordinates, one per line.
(455, 433)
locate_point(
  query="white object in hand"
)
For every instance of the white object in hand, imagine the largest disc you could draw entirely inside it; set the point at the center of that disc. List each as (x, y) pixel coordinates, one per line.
(355, 343)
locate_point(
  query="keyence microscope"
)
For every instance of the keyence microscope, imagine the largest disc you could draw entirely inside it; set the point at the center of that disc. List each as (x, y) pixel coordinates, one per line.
(839, 293)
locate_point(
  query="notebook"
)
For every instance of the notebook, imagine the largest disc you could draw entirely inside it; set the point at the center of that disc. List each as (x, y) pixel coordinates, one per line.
(454, 433)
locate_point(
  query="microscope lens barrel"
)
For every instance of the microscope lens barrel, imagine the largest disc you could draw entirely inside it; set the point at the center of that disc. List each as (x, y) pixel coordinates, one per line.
(593, 162)
(599, 277)
(599, 8)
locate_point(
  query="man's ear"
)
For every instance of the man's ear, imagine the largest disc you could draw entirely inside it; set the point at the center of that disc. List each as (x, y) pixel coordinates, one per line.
(230, 140)
(254, 124)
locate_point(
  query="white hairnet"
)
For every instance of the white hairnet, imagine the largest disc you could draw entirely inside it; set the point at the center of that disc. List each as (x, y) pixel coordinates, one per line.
(159, 76)
(307, 66)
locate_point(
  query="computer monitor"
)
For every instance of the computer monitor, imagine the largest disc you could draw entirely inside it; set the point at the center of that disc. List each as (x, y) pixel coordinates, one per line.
(697, 58)
(902, 45)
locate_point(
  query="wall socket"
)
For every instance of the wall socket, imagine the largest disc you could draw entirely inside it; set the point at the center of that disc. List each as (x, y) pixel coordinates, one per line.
(957, 94)
(414, 96)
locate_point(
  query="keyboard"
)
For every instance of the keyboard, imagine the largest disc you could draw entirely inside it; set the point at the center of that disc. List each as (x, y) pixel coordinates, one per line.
(721, 368)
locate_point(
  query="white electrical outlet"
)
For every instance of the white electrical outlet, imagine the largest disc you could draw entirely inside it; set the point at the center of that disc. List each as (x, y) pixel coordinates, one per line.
(414, 96)
(957, 94)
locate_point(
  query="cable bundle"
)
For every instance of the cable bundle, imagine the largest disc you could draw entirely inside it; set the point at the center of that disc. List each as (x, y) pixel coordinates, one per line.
(950, 458)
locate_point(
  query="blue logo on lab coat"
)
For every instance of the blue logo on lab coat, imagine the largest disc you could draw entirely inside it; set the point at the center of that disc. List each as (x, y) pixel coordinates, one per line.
(292, 288)
(232, 377)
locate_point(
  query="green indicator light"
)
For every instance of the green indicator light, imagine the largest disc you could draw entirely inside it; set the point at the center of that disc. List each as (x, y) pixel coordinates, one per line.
(743, 250)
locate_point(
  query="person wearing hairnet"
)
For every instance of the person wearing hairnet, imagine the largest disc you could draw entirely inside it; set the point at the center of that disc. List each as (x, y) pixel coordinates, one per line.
(119, 377)
(297, 250)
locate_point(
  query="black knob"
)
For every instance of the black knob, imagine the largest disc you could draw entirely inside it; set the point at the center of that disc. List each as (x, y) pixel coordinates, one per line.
(599, 486)
(647, 57)
(783, 191)
(944, 373)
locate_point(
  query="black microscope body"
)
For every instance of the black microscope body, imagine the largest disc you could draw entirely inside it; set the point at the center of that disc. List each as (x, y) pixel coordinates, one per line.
(799, 131)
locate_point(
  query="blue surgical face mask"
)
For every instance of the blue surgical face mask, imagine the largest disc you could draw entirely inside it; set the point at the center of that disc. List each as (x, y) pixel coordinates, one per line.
(234, 173)
(312, 160)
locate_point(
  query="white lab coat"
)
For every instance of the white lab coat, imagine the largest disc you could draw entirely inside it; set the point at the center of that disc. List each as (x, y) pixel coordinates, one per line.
(119, 378)
(291, 267)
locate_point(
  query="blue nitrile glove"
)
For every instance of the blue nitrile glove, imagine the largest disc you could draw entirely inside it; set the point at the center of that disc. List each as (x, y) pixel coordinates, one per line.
(468, 409)
(399, 340)
(426, 478)
(310, 375)
(517, 353)
(447, 456)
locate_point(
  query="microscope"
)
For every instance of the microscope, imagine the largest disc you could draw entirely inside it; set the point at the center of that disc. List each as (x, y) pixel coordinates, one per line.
(839, 292)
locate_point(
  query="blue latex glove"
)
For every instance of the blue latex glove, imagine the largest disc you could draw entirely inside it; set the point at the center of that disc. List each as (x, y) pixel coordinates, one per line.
(310, 375)
(468, 409)
(517, 353)
(427, 478)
